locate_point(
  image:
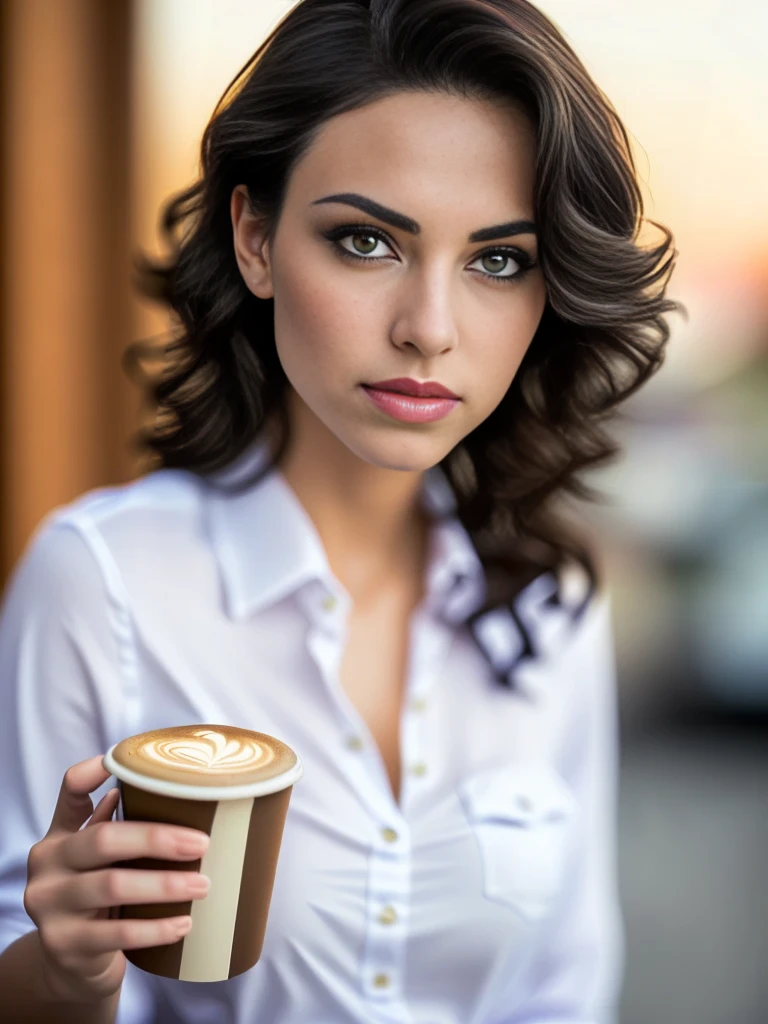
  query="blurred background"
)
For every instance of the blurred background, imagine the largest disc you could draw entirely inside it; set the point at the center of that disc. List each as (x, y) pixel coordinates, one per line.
(103, 106)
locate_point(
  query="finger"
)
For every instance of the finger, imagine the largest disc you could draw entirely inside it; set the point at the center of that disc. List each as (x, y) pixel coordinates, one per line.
(92, 938)
(105, 808)
(110, 887)
(110, 842)
(74, 805)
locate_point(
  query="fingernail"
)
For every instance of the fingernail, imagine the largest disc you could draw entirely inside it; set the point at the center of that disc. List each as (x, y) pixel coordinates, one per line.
(193, 845)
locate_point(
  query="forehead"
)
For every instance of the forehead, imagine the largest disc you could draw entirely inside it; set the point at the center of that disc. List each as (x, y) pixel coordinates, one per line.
(421, 152)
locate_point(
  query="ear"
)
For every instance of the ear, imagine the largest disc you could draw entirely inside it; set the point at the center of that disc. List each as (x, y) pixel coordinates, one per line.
(251, 248)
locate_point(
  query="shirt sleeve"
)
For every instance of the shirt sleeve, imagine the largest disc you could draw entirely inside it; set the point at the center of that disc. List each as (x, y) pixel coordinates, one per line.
(61, 698)
(576, 977)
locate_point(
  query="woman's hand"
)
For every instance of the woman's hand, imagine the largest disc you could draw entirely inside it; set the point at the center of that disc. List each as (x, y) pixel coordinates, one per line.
(71, 887)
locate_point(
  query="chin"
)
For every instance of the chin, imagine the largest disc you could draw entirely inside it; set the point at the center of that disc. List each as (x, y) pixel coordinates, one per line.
(406, 454)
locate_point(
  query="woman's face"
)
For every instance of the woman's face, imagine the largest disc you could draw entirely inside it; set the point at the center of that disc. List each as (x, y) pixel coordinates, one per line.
(428, 285)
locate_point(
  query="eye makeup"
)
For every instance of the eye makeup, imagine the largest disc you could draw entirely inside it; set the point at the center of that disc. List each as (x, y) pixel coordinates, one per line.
(334, 235)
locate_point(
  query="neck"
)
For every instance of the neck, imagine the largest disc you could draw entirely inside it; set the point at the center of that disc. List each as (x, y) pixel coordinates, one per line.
(369, 518)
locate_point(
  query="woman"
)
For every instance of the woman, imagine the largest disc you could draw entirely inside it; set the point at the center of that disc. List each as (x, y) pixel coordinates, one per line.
(409, 294)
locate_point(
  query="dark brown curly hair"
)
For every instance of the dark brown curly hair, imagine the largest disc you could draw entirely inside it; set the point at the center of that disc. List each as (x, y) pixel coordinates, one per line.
(601, 336)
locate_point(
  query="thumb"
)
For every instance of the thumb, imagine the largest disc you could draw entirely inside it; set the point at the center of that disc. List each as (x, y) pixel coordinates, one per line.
(74, 805)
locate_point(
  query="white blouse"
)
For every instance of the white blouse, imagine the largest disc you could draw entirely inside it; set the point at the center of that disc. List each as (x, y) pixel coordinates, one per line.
(485, 894)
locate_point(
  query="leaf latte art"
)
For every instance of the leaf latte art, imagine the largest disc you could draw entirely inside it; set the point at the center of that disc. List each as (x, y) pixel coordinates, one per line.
(206, 750)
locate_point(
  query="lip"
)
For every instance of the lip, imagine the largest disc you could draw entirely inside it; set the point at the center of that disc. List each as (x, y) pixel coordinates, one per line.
(408, 386)
(410, 408)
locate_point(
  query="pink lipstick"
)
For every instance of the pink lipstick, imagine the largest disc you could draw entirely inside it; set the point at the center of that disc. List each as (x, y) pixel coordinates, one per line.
(412, 401)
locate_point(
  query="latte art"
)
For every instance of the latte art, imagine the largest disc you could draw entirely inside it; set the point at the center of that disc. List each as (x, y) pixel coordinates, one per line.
(205, 754)
(207, 750)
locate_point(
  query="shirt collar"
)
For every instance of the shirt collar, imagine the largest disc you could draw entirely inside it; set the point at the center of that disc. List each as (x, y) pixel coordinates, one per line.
(267, 546)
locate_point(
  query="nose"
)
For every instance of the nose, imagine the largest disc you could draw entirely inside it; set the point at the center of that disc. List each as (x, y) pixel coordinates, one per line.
(425, 318)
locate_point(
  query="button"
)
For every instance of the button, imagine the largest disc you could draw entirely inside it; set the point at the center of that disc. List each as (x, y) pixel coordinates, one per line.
(355, 743)
(419, 768)
(418, 704)
(525, 803)
(381, 981)
(329, 603)
(388, 915)
(389, 835)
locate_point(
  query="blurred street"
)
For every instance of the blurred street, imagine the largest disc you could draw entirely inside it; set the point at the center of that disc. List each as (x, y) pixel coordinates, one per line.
(693, 839)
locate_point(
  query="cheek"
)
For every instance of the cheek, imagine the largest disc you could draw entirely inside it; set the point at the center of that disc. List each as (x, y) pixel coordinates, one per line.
(320, 328)
(501, 339)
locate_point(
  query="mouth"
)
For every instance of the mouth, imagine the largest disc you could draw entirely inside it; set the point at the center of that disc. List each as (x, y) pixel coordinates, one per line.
(408, 407)
(414, 388)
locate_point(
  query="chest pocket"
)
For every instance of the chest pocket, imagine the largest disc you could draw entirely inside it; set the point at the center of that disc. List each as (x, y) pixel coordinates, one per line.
(521, 815)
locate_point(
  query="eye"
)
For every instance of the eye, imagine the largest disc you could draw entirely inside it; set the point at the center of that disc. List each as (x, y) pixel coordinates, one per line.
(505, 265)
(364, 241)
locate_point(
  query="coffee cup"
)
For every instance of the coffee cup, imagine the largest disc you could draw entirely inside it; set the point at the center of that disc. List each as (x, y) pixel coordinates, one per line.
(234, 784)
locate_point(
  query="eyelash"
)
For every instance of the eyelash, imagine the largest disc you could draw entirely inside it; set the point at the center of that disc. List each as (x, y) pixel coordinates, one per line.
(346, 230)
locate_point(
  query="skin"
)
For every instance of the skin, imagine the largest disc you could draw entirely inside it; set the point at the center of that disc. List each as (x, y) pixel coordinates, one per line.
(419, 308)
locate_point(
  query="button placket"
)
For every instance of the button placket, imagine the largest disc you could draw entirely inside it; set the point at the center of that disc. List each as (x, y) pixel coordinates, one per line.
(431, 640)
(389, 882)
(360, 758)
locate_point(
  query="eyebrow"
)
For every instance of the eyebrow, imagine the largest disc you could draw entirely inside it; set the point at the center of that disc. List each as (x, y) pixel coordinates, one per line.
(399, 220)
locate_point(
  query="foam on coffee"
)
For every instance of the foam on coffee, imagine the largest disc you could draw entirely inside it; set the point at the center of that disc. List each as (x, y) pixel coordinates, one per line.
(205, 755)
